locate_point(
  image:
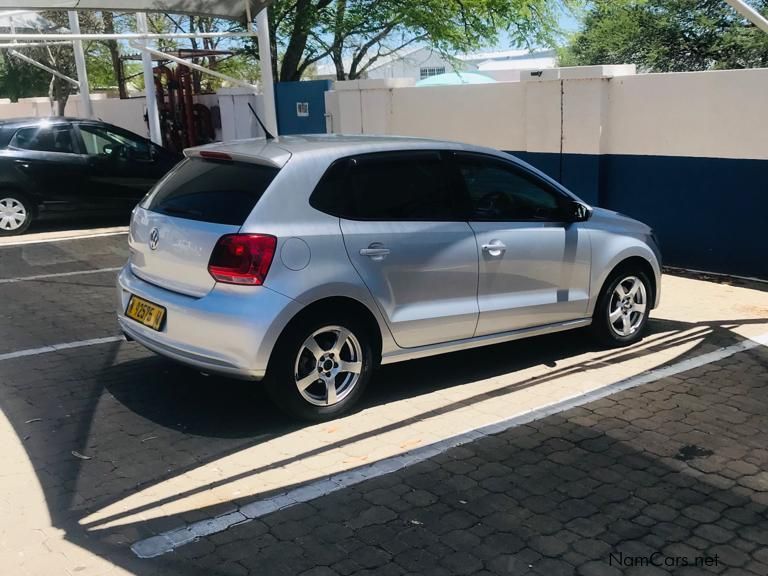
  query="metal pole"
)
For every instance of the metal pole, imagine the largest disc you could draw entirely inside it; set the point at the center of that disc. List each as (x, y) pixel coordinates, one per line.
(153, 114)
(32, 44)
(82, 70)
(267, 82)
(48, 69)
(750, 14)
(192, 65)
(35, 36)
(248, 17)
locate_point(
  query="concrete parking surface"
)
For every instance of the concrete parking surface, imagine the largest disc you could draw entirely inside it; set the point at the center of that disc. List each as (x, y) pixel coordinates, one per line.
(106, 446)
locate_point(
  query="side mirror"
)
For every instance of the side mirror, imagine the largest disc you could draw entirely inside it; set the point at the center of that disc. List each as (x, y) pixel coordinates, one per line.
(576, 211)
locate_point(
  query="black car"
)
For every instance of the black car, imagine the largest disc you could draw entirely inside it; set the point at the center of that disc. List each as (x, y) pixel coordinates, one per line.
(73, 167)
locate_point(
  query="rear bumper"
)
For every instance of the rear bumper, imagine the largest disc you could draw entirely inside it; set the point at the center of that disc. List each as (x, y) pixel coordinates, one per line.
(231, 331)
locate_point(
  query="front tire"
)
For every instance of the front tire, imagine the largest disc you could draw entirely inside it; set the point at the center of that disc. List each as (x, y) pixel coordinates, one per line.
(621, 314)
(15, 213)
(320, 367)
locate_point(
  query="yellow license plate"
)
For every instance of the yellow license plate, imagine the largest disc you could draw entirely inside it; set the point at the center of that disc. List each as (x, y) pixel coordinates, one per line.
(145, 312)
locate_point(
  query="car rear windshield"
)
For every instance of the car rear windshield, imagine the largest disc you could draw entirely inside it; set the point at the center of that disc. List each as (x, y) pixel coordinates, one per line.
(221, 192)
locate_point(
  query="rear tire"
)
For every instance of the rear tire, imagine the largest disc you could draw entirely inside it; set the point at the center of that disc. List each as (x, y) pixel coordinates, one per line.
(622, 310)
(15, 213)
(320, 367)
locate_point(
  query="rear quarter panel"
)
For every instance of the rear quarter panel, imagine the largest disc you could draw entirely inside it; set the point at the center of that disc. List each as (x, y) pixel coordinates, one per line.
(311, 261)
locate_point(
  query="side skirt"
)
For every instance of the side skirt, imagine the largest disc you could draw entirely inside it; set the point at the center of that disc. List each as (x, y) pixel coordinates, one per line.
(403, 354)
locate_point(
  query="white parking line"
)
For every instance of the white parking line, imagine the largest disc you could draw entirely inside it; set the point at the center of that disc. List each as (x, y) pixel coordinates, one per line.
(169, 541)
(59, 275)
(58, 347)
(46, 237)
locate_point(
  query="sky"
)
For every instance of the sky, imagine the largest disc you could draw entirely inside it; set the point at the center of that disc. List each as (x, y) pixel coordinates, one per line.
(568, 23)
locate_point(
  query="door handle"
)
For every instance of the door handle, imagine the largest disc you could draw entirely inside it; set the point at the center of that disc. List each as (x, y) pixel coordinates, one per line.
(374, 252)
(495, 248)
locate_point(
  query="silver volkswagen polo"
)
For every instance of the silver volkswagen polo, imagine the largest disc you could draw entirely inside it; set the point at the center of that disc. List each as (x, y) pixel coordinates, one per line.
(308, 261)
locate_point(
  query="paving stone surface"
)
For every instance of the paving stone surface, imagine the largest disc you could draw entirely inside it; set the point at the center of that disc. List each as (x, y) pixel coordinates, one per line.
(613, 503)
(107, 445)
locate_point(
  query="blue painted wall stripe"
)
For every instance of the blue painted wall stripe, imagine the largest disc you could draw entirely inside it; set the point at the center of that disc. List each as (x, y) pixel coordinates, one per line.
(709, 213)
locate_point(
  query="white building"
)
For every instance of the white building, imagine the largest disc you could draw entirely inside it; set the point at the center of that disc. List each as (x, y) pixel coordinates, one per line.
(422, 62)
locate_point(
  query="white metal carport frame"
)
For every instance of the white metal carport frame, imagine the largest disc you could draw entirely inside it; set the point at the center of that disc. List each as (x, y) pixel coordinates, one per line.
(141, 41)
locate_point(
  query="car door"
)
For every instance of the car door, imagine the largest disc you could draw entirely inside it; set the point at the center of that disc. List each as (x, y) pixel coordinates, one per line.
(122, 167)
(47, 166)
(406, 236)
(534, 266)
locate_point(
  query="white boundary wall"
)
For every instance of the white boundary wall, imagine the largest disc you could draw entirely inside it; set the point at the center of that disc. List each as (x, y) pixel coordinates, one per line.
(128, 113)
(700, 114)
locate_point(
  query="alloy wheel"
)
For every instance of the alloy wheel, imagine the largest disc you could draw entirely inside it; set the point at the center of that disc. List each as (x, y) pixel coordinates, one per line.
(328, 366)
(13, 214)
(627, 306)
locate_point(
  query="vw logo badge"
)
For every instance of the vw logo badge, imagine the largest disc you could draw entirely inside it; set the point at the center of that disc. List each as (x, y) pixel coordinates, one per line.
(154, 238)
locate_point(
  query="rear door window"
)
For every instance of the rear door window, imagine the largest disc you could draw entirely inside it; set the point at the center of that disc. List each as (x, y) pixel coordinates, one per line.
(45, 139)
(211, 191)
(402, 186)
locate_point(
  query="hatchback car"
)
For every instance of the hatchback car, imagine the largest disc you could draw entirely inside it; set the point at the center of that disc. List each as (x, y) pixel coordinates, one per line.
(308, 261)
(55, 167)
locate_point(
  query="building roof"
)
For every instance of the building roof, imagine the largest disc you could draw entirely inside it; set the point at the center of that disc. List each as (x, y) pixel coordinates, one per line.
(329, 68)
(534, 60)
(493, 55)
(506, 59)
(455, 79)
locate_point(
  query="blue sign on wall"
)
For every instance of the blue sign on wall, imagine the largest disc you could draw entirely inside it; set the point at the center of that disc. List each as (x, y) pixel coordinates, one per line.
(301, 106)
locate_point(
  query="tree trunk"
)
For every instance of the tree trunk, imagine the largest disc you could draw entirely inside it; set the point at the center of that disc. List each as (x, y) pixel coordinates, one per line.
(289, 70)
(58, 93)
(337, 50)
(114, 53)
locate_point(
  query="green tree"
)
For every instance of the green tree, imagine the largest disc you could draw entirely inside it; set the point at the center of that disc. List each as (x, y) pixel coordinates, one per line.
(355, 33)
(668, 36)
(20, 80)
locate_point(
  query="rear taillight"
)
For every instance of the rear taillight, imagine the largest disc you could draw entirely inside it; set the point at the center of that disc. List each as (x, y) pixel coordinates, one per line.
(242, 258)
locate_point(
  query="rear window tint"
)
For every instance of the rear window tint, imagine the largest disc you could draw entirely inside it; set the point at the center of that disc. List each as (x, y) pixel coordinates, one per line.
(211, 191)
(330, 196)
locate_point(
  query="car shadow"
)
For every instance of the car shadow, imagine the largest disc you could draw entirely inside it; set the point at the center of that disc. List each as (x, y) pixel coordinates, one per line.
(575, 470)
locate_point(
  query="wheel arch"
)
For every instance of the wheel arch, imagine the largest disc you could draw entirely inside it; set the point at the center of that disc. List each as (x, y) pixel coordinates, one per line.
(34, 203)
(339, 305)
(633, 262)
